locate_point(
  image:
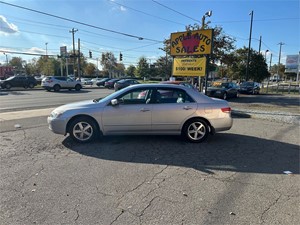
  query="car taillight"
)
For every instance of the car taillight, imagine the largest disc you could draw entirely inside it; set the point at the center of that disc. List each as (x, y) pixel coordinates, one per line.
(226, 110)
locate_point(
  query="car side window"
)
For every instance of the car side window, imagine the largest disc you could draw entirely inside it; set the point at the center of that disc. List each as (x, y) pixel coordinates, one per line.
(170, 95)
(136, 96)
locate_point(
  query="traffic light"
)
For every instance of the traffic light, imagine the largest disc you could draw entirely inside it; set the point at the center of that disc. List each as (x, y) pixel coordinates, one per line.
(121, 57)
(90, 52)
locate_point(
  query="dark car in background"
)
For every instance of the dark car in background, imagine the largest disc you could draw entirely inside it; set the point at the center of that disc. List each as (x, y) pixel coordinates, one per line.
(102, 81)
(223, 90)
(124, 83)
(111, 83)
(249, 88)
(18, 81)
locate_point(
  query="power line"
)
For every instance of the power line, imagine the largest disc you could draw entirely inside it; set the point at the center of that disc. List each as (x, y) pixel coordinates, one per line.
(148, 14)
(81, 23)
(175, 11)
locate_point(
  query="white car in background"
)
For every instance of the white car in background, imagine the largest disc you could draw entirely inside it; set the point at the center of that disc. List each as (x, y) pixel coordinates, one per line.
(60, 82)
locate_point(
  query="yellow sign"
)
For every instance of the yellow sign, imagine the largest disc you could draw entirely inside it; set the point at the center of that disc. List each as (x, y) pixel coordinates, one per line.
(189, 67)
(197, 42)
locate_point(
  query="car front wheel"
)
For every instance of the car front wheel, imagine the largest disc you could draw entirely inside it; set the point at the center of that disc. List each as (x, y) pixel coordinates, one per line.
(8, 86)
(83, 130)
(56, 87)
(77, 87)
(196, 130)
(31, 86)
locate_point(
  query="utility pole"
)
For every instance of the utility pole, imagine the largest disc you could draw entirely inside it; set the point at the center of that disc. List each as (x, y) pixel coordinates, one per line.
(280, 44)
(259, 45)
(73, 31)
(79, 72)
(249, 48)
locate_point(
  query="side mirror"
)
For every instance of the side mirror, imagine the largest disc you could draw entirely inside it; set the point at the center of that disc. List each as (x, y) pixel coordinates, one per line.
(114, 102)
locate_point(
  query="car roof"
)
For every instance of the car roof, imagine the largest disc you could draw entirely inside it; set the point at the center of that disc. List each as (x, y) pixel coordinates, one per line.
(173, 82)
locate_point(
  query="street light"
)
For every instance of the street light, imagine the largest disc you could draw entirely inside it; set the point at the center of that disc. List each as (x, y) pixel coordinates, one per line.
(46, 49)
(266, 54)
(6, 58)
(248, 58)
(207, 14)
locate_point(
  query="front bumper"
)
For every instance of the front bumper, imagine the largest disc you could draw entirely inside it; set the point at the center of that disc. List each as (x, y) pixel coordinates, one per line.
(57, 125)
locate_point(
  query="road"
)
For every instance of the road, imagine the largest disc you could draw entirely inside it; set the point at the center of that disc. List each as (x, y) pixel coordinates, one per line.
(236, 177)
(32, 99)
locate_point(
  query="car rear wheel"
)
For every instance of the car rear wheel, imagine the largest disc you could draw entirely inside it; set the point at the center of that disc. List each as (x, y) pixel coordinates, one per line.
(225, 96)
(195, 130)
(56, 87)
(83, 129)
(31, 86)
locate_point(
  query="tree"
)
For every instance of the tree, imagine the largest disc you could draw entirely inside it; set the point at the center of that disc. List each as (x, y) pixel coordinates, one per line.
(130, 71)
(89, 69)
(18, 64)
(108, 62)
(164, 67)
(142, 68)
(258, 69)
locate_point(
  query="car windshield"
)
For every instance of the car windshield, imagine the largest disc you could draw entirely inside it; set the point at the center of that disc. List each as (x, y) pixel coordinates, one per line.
(10, 78)
(220, 85)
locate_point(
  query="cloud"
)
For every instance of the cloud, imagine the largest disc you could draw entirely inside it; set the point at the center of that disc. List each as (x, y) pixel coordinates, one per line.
(122, 8)
(36, 50)
(7, 28)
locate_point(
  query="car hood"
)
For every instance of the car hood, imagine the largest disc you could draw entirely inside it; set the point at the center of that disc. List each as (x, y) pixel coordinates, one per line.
(77, 105)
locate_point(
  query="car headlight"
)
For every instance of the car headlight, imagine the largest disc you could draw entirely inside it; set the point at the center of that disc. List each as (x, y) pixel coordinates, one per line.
(56, 114)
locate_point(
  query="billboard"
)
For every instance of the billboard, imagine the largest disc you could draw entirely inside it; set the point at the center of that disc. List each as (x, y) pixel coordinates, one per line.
(189, 67)
(197, 42)
(292, 63)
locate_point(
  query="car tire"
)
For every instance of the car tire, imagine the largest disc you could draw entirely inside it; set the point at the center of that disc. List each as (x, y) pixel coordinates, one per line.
(195, 130)
(7, 85)
(83, 130)
(77, 87)
(31, 85)
(225, 96)
(56, 87)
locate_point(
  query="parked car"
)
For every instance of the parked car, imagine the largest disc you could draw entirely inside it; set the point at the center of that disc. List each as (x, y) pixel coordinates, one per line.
(59, 82)
(124, 113)
(18, 81)
(102, 81)
(224, 90)
(95, 80)
(249, 88)
(86, 81)
(124, 83)
(111, 83)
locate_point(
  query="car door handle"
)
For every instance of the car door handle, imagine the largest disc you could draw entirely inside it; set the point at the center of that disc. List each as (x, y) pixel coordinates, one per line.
(144, 110)
(187, 107)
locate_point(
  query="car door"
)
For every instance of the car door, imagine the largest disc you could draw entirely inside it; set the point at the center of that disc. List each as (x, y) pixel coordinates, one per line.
(172, 107)
(130, 116)
(70, 83)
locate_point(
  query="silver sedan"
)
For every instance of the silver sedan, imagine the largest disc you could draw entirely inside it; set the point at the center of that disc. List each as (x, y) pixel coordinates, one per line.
(144, 109)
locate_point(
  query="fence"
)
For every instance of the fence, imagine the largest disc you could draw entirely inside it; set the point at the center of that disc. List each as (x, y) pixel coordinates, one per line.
(284, 88)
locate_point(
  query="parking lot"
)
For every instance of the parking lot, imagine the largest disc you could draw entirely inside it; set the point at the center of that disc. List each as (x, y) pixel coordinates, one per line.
(248, 175)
